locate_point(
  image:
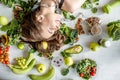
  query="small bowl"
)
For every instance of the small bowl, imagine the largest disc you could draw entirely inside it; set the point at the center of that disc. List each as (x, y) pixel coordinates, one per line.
(96, 30)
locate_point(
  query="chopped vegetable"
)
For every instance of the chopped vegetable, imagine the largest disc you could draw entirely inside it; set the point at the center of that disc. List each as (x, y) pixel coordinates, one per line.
(86, 68)
(114, 30)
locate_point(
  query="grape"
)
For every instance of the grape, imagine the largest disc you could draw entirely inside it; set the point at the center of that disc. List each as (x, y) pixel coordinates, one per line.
(21, 62)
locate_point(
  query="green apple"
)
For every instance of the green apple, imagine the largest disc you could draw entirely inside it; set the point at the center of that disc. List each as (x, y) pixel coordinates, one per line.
(21, 45)
(41, 68)
(94, 46)
(68, 61)
(3, 20)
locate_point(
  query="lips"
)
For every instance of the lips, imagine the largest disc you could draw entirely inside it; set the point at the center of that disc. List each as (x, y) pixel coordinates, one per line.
(58, 22)
(51, 30)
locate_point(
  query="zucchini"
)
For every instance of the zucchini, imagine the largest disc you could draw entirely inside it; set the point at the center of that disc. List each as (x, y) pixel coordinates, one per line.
(74, 49)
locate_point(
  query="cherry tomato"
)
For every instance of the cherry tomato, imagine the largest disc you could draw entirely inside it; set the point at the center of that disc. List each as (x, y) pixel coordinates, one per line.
(0, 48)
(94, 69)
(88, 68)
(81, 74)
(7, 62)
(92, 73)
(8, 47)
(1, 51)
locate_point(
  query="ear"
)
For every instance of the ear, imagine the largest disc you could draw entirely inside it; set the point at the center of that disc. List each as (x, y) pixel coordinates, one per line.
(39, 18)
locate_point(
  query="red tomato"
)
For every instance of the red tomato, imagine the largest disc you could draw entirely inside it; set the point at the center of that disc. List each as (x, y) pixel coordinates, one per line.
(88, 68)
(92, 73)
(94, 69)
(7, 62)
(8, 47)
(0, 48)
(81, 74)
(1, 51)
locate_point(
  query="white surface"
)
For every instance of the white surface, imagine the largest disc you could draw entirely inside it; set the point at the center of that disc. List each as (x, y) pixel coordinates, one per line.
(108, 59)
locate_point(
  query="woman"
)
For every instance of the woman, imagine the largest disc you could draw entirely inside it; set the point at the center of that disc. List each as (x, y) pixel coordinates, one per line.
(43, 24)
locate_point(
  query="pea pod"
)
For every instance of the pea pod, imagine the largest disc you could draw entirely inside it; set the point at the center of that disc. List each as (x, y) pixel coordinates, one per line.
(46, 76)
(22, 71)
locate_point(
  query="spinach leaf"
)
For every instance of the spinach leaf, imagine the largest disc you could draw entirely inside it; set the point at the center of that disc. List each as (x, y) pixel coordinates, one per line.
(67, 15)
(94, 10)
(71, 34)
(65, 71)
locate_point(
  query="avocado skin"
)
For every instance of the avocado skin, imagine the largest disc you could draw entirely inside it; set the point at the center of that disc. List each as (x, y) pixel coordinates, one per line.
(74, 49)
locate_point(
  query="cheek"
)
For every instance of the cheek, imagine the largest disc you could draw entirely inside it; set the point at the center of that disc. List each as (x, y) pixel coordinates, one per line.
(45, 34)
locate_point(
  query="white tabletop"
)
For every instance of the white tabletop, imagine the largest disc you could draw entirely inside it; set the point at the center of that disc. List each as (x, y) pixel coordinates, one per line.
(107, 59)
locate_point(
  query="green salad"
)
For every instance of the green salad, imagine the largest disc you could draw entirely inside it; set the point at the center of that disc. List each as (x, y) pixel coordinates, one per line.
(86, 68)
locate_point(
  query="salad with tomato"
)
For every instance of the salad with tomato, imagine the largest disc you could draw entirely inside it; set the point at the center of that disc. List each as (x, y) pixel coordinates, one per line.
(86, 68)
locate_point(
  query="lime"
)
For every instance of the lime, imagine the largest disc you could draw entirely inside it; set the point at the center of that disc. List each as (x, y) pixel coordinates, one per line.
(21, 45)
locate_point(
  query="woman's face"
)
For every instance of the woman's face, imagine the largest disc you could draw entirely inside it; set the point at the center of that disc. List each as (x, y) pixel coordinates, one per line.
(50, 21)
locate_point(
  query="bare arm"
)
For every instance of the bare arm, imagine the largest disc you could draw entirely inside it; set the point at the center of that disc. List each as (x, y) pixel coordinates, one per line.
(72, 5)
